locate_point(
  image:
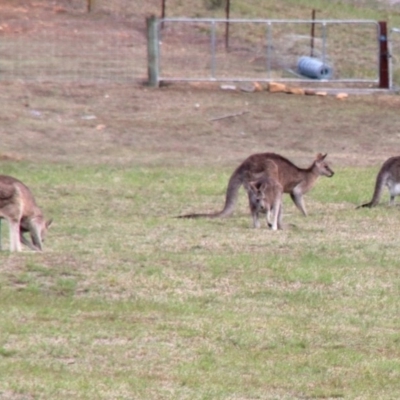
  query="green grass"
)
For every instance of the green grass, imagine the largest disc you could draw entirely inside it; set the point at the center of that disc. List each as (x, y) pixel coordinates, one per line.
(128, 302)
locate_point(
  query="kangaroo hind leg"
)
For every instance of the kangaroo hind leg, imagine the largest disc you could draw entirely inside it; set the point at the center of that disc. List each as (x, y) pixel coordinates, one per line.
(276, 222)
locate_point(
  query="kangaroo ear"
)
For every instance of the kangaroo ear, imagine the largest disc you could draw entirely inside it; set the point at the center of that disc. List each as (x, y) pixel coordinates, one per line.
(321, 156)
(252, 185)
(49, 222)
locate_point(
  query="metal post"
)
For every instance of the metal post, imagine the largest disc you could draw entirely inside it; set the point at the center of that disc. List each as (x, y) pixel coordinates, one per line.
(269, 46)
(213, 49)
(383, 56)
(324, 42)
(153, 51)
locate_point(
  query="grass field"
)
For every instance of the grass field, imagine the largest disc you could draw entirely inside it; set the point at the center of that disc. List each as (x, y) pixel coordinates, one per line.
(128, 302)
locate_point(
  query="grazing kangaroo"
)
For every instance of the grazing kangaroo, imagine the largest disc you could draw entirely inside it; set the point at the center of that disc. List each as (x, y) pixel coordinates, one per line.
(294, 180)
(18, 207)
(388, 175)
(265, 197)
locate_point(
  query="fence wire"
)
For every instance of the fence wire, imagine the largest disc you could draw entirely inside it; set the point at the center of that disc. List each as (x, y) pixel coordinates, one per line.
(68, 54)
(267, 50)
(102, 46)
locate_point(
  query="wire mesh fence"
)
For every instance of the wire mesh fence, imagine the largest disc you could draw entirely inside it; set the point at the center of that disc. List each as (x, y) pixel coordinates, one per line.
(102, 45)
(204, 49)
(124, 8)
(69, 53)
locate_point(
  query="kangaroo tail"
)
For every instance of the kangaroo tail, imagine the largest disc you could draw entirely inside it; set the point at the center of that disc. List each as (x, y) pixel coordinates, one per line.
(199, 215)
(235, 181)
(379, 184)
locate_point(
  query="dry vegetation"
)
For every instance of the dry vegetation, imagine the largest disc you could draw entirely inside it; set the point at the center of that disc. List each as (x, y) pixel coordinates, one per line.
(129, 302)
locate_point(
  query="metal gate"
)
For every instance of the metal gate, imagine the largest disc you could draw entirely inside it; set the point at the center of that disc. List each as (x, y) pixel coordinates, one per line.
(267, 50)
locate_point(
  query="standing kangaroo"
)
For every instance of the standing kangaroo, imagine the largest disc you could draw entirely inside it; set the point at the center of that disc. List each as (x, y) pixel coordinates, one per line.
(265, 196)
(18, 207)
(294, 180)
(388, 175)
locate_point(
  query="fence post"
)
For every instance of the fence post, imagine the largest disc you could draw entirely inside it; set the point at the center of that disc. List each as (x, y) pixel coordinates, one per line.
(227, 16)
(153, 51)
(383, 56)
(312, 33)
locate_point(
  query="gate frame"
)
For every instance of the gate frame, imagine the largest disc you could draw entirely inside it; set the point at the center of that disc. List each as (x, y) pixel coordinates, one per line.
(155, 24)
(396, 31)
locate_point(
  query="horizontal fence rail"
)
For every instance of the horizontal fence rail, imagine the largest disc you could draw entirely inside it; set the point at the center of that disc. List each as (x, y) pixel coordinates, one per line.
(267, 50)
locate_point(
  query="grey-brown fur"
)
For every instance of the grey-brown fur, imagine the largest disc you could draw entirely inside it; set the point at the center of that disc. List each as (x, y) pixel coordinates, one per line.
(294, 180)
(389, 176)
(18, 207)
(265, 197)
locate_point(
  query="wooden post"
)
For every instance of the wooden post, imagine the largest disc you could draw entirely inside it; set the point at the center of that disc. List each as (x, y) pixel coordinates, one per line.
(153, 51)
(163, 9)
(227, 12)
(383, 56)
(312, 33)
(162, 12)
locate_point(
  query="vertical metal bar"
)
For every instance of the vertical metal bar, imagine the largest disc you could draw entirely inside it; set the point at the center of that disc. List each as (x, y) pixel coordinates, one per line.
(324, 42)
(213, 49)
(153, 50)
(269, 47)
(390, 60)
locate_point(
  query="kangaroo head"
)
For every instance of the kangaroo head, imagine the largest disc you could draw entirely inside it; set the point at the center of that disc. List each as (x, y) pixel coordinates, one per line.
(258, 196)
(38, 229)
(322, 166)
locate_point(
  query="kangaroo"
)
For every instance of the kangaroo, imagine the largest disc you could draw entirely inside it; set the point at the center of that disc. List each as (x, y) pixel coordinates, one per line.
(294, 180)
(388, 175)
(18, 207)
(265, 196)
